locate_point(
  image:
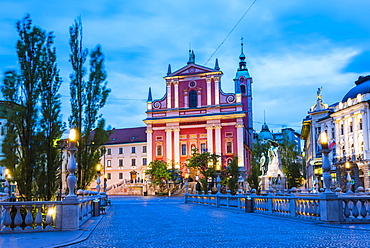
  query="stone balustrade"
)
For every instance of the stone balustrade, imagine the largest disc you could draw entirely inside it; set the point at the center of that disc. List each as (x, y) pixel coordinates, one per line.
(332, 207)
(68, 214)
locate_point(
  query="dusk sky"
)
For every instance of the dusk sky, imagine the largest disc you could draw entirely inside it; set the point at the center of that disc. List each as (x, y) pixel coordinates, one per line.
(292, 47)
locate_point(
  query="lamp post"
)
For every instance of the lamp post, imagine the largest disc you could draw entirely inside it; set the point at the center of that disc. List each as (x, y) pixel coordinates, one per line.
(6, 184)
(98, 168)
(348, 186)
(218, 180)
(72, 166)
(325, 162)
(105, 183)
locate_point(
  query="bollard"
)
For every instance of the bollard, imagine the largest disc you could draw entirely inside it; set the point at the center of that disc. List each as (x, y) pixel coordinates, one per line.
(96, 208)
(248, 205)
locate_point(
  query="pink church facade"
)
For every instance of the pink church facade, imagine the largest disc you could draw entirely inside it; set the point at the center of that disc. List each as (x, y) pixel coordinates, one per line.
(195, 113)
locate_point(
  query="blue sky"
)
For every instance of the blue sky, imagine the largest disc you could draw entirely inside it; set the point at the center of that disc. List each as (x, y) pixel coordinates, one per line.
(293, 47)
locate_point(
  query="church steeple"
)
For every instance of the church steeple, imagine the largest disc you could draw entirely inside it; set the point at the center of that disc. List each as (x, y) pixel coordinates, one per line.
(242, 63)
(217, 67)
(150, 98)
(169, 70)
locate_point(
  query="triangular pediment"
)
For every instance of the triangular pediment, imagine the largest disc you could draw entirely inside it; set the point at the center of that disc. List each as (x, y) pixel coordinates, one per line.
(191, 69)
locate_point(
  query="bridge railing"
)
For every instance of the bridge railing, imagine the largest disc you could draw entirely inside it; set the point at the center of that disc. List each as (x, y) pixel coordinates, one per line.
(335, 207)
(30, 216)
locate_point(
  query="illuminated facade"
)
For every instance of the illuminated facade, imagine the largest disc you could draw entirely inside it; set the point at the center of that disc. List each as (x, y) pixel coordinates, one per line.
(347, 126)
(196, 113)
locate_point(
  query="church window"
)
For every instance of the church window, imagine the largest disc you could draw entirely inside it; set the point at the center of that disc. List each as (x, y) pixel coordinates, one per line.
(159, 150)
(229, 147)
(242, 89)
(203, 147)
(183, 149)
(193, 99)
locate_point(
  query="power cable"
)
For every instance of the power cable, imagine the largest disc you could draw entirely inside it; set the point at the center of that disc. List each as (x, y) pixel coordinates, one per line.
(227, 36)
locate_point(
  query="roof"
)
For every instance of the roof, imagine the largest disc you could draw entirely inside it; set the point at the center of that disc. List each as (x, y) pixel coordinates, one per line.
(362, 87)
(127, 135)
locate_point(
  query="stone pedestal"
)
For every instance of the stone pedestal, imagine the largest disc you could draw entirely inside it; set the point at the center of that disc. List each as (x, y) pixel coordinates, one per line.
(70, 213)
(331, 208)
(265, 184)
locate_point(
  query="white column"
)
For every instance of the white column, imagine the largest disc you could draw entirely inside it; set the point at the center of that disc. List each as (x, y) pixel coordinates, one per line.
(217, 90)
(177, 147)
(149, 150)
(186, 99)
(365, 128)
(169, 95)
(199, 98)
(209, 91)
(346, 131)
(355, 134)
(218, 139)
(176, 84)
(239, 136)
(209, 139)
(168, 144)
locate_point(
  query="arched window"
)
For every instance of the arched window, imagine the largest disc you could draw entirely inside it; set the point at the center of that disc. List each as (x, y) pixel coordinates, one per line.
(193, 99)
(242, 89)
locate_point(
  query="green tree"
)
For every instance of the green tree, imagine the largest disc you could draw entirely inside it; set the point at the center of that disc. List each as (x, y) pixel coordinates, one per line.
(52, 126)
(233, 176)
(87, 99)
(289, 155)
(159, 173)
(205, 163)
(24, 145)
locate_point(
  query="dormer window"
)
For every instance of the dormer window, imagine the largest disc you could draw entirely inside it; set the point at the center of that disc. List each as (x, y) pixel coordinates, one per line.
(192, 99)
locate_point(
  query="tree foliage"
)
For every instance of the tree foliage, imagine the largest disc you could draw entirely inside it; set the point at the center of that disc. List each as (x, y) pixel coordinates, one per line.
(87, 99)
(233, 176)
(205, 163)
(158, 172)
(289, 158)
(33, 113)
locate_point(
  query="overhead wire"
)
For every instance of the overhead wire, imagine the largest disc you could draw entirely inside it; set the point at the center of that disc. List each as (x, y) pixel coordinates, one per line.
(227, 36)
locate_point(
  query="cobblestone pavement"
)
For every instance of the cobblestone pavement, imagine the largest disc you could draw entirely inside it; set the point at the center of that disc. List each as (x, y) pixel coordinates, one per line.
(169, 222)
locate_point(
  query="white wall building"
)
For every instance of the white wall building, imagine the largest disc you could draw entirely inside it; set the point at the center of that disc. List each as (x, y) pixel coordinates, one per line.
(125, 160)
(347, 125)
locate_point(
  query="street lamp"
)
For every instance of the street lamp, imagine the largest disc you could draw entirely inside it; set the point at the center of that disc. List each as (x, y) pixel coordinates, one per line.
(348, 168)
(105, 182)
(72, 166)
(6, 184)
(325, 162)
(98, 168)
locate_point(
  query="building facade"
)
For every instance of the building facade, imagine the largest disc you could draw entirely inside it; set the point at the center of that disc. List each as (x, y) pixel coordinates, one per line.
(125, 161)
(346, 124)
(196, 113)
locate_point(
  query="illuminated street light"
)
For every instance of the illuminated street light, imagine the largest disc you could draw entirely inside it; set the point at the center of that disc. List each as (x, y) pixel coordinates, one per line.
(98, 168)
(72, 166)
(325, 162)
